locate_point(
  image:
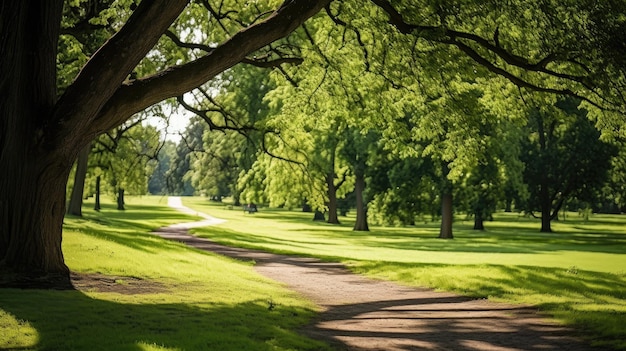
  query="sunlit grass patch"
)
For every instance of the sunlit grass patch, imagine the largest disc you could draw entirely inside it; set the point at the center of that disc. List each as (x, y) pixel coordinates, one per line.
(16, 333)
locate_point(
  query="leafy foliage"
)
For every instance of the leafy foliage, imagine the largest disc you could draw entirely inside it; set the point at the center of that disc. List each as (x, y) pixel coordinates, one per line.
(564, 157)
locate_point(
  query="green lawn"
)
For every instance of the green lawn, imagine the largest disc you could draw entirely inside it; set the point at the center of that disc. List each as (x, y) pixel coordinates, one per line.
(576, 275)
(193, 300)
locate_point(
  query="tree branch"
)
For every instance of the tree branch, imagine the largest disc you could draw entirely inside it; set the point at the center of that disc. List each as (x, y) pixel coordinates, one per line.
(101, 77)
(135, 96)
(460, 40)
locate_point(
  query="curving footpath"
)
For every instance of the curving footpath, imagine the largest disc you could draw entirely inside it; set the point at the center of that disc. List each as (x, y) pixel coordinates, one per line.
(359, 313)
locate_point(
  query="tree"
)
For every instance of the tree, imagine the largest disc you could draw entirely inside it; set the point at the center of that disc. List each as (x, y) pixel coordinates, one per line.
(191, 142)
(358, 150)
(234, 110)
(42, 133)
(214, 170)
(564, 158)
(157, 184)
(76, 198)
(403, 190)
(125, 157)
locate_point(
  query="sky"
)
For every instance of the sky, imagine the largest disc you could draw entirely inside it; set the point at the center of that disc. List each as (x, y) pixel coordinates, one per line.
(178, 121)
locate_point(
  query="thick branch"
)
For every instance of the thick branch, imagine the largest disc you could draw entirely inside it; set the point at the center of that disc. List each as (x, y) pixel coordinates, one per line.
(109, 66)
(137, 95)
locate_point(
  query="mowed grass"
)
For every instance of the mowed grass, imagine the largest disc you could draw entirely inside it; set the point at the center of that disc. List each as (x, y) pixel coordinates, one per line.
(187, 299)
(576, 275)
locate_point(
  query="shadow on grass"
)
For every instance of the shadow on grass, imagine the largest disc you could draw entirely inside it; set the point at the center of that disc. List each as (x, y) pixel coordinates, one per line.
(124, 227)
(509, 234)
(245, 240)
(592, 302)
(71, 320)
(425, 240)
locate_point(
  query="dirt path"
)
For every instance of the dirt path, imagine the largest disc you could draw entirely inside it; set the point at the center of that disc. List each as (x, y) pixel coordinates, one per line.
(365, 314)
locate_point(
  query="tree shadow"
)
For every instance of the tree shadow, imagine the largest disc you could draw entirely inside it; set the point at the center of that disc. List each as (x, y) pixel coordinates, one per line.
(591, 302)
(72, 320)
(445, 323)
(128, 228)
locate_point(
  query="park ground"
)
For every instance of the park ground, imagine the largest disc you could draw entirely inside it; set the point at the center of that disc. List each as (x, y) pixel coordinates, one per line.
(139, 292)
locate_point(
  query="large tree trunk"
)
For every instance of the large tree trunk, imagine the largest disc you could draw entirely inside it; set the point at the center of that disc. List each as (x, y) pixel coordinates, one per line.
(445, 231)
(332, 199)
(361, 212)
(31, 235)
(76, 198)
(34, 170)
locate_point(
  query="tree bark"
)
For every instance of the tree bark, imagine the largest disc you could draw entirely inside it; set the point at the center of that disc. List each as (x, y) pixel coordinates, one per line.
(96, 205)
(479, 222)
(546, 207)
(318, 216)
(508, 205)
(445, 231)
(332, 199)
(33, 173)
(120, 199)
(31, 235)
(76, 198)
(361, 212)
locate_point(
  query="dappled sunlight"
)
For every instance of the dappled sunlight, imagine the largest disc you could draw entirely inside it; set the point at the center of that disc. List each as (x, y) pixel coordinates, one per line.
(509, 238)
(441, 323)
(146, 346)
(16, 333)
(136, 291)
(576, 274)
(576, 297)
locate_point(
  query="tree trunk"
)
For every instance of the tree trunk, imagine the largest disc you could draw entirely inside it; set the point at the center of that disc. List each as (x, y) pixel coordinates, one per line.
(508, 205)
(445, 231)
(318, 216)
(34, 168)
(76, 199)
(305, 206)
(97, 200)
(30, 243)
(361, 212)
(31, 235)
(479, 223)
(120, 199)
(332, 199)
(236, 198)
(546, 207)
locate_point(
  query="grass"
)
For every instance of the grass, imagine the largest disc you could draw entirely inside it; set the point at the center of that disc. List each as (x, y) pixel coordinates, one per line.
(192, 300)
(576, 275)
